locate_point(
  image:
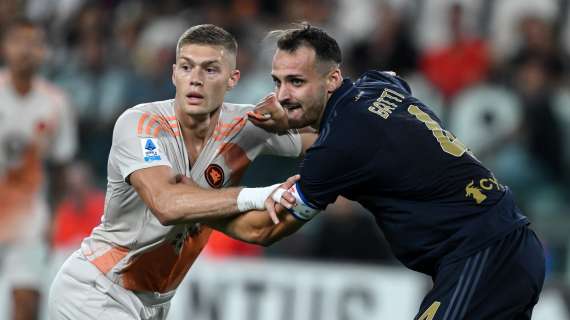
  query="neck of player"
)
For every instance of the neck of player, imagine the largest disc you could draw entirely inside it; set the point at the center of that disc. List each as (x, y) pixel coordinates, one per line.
(196, 129)
(22, 81)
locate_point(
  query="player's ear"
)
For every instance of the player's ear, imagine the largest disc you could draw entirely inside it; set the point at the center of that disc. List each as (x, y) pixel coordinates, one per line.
(173, 70)
(233, 79)
(334, 79)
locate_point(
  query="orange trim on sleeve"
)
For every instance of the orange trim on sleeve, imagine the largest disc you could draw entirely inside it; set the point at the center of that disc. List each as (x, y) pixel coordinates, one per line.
(141, 123)
(150, 124)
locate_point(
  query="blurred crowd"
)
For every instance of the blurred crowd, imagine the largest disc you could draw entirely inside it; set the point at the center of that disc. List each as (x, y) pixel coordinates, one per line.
(495, 71)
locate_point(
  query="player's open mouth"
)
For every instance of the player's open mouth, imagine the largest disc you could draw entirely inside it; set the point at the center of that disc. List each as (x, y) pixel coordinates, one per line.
(291, 106)
(194, 97)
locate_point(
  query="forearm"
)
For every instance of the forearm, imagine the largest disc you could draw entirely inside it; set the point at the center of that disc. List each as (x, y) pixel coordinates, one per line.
(275, 232)
(178, 199)
(182, 203)
(257, 227)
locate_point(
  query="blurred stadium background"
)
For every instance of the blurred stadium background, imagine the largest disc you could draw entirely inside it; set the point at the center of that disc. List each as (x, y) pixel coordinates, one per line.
(496, 71)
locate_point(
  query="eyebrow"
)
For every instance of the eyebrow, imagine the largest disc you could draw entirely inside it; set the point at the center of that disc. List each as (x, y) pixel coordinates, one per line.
(289, 76)
(206, 62)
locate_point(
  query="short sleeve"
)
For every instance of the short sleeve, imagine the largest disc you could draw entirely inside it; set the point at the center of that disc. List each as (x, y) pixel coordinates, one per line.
(133, 150)
(327, 173)
(286, 145)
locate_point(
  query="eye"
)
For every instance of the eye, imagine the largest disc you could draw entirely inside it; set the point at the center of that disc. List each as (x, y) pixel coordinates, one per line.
(185, 67)
(297, 82)
(277, 83)
(211, 70)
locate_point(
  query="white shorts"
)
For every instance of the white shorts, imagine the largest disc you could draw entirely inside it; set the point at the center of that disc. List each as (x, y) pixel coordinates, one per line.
(23, 263)
(81, 291)
(23, 259)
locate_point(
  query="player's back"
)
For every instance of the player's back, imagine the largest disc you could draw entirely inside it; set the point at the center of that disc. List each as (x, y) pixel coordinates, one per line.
(429, 195)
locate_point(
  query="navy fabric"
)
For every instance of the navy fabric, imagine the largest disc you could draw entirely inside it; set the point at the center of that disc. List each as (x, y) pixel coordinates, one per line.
(502, 281)
(382, 147)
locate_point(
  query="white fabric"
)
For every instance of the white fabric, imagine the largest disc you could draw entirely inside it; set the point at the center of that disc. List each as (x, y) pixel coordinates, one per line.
(81, 291)
(130, 246)
(23, 263)
(254, 198)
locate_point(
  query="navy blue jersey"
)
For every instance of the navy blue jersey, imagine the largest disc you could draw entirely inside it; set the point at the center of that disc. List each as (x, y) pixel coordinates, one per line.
(431, 197)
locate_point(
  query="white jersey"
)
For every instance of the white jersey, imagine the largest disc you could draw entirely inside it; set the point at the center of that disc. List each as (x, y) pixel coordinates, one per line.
(130, 246)
(33, 128)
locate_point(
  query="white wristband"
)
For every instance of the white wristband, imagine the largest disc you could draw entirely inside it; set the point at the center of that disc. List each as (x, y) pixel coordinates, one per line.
(254, 198)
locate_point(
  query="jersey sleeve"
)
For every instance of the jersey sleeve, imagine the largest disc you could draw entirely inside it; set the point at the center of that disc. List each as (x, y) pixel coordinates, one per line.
(287, 145)
(132, 149)
(327, 173)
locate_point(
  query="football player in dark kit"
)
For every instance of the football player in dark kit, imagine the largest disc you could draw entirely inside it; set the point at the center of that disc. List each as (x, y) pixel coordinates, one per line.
(443, 213)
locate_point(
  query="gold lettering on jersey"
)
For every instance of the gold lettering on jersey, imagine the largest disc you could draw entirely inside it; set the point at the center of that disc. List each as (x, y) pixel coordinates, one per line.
(386, 103)
(473, 192)
(488, 184)
(485, 184)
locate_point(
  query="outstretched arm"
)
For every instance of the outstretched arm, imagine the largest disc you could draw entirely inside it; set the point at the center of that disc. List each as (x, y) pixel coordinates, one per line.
(270, 115)
(173, 202)
(257, 226)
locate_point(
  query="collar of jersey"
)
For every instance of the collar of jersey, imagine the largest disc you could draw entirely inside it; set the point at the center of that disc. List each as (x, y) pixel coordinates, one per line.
(335, 98)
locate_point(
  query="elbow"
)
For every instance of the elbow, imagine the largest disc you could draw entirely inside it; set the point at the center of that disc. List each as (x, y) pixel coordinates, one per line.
(267, 242)
(163, 217)
(163, 213)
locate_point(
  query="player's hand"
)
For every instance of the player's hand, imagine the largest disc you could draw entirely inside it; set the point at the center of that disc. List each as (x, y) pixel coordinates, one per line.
(286, 199)
(269, 115)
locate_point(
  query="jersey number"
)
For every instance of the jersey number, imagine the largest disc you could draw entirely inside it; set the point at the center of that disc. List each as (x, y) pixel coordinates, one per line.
(448, 142)
(430, 312)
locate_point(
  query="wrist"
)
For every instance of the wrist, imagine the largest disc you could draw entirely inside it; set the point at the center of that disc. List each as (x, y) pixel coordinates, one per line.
(254, 198)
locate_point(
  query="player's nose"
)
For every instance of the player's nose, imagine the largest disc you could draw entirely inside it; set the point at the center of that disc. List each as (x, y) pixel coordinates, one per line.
(282, 93)
(195, 77)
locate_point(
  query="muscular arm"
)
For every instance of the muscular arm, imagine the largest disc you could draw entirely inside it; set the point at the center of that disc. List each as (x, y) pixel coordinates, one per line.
(256, 227)
(173, 202)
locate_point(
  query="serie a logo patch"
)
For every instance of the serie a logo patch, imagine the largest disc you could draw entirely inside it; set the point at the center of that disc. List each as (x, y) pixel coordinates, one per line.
(214, 175)
(150, 150)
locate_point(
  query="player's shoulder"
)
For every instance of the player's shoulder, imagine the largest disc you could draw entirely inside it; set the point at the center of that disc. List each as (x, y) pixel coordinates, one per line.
(51, 90)
(146, 115)
(380, 94)
(162, 107)
(375, 79)
(155, 108)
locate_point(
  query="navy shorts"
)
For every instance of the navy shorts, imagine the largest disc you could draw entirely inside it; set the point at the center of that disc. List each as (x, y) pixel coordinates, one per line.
(502, 281)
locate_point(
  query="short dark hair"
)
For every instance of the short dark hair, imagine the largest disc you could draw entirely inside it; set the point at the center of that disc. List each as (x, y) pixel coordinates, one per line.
(207, 34)
(326, 48)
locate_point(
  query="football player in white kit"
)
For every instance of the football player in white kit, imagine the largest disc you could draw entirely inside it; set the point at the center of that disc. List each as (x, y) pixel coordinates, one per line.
(156, 219)
(35, 125)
